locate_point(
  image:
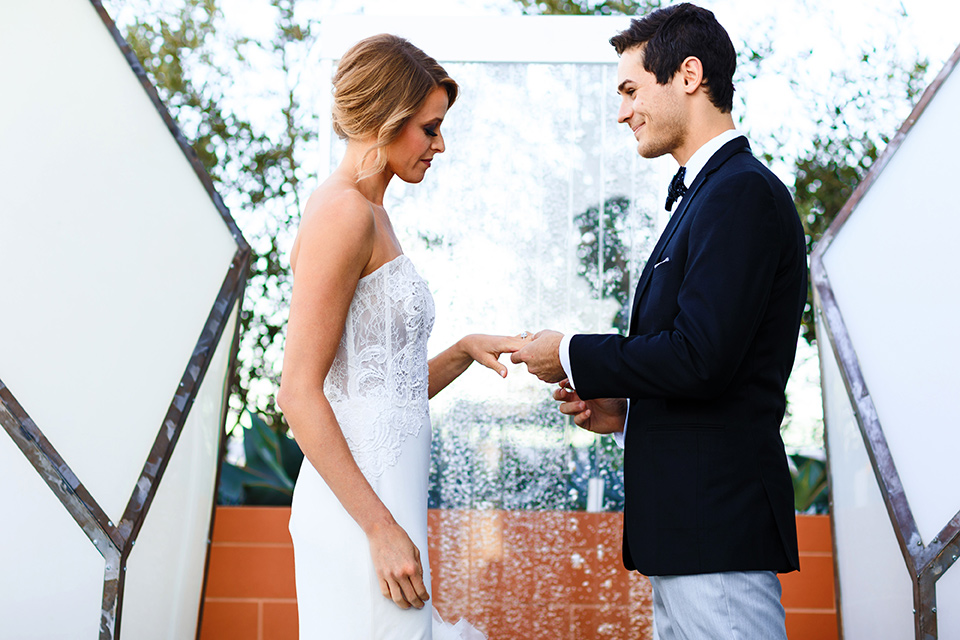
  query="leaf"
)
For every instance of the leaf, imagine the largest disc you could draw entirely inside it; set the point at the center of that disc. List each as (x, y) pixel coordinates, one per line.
(810, 482)
(230, 489)
(266, 448)
(290, 456)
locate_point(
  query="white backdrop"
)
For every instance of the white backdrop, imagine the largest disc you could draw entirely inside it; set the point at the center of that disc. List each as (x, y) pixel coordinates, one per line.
(893, 268)
(112, 254)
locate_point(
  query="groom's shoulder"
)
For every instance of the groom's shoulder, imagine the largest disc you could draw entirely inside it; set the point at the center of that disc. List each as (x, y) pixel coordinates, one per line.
(746, 167)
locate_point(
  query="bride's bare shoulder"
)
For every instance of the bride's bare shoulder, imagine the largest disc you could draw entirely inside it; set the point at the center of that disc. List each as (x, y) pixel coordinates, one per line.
(336, 210)
(337, 203)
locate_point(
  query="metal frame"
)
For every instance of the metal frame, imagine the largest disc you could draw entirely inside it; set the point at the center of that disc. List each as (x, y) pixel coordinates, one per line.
(925, 563)
(115, 541)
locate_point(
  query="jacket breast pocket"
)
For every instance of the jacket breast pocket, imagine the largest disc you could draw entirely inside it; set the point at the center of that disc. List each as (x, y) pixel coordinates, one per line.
(659, 303)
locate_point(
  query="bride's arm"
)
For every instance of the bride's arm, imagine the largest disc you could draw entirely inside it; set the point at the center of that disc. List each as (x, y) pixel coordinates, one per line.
(446, 366)
(327, 273)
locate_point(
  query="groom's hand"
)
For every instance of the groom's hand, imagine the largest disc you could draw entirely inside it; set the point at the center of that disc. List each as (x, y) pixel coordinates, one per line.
(602, 415)
(542, 356)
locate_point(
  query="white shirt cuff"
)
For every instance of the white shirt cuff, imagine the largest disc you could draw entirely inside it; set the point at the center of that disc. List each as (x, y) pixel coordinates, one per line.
(620, 436)
(565, 358)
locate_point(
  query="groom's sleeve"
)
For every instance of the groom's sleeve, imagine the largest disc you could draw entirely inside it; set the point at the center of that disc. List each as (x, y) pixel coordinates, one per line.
(731, 263)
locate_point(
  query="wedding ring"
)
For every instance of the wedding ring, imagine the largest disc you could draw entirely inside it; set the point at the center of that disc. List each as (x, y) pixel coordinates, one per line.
(523, 335)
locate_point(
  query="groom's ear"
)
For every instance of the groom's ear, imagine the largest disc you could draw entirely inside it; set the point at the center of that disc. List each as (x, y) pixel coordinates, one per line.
(690, 75)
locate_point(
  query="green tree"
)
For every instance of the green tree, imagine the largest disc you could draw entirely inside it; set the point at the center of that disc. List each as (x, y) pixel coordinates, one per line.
(615, 280)
(588, 8)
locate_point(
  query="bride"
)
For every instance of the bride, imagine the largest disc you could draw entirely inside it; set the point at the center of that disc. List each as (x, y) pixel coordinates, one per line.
(356, 378)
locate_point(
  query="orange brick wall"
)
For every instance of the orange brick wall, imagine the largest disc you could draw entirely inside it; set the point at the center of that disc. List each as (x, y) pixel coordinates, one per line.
(808, 595)
(250, 592)
(513, 574)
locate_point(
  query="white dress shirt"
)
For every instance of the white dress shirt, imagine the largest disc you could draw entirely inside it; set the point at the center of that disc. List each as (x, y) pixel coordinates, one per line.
(694, 165)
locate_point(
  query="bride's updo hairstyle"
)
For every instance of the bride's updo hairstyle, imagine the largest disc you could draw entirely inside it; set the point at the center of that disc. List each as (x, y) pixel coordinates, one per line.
(381, 82)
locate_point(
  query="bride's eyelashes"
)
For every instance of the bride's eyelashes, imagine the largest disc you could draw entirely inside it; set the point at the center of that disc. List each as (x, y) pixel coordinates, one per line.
(431, 131)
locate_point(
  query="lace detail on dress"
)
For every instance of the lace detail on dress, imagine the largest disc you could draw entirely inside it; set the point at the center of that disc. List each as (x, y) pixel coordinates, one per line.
(377, 384)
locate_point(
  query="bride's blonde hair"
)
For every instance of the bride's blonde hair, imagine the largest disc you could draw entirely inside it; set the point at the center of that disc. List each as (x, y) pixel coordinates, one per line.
(380, 83)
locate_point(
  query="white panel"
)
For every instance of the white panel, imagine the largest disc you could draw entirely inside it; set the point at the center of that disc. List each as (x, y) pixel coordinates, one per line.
(948, 604)
(165, 569)
(876, 594)
(117, 250)
(894, 268)
(51, 575)
(570, 39)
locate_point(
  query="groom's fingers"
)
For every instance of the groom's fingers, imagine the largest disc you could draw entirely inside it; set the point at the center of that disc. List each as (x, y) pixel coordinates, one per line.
(565, 394)
(573, 408)
(513, 344)
(582, 420)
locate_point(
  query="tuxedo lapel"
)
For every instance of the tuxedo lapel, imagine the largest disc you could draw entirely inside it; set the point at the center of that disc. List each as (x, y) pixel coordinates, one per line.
(716, 161)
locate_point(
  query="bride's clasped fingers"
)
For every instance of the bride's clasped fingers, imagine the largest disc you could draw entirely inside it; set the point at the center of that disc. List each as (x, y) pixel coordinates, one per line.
(487, 349)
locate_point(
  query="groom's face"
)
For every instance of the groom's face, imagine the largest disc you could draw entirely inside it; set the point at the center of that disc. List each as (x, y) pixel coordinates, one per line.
(654, 112)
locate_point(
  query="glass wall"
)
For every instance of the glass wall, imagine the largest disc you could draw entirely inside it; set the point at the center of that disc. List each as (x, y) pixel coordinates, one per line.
(540, 214)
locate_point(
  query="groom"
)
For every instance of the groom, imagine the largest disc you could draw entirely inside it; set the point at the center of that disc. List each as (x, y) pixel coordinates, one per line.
(695, 392)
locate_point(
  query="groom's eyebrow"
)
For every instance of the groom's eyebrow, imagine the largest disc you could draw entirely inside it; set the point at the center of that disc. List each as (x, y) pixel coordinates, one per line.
(623, 84)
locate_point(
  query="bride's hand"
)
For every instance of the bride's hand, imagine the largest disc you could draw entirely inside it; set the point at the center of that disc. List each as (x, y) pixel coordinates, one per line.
(396, 561)
(487, 349)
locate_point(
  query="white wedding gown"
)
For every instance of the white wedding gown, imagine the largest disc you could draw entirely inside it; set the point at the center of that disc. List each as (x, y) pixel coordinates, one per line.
(378, 389)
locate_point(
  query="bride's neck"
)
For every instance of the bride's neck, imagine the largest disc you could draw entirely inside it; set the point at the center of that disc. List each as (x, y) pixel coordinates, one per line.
(356, 163)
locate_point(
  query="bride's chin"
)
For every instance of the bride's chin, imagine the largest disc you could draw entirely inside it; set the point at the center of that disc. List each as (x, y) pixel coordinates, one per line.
(413, 179)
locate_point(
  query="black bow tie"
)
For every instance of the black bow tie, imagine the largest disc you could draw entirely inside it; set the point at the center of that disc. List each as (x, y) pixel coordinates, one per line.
(677, 188)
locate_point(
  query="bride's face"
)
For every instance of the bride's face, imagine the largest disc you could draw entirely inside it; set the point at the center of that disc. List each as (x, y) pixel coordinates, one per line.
(409, 156)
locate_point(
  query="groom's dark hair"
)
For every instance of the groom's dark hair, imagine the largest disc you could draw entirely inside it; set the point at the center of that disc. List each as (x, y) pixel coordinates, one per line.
(671, 35)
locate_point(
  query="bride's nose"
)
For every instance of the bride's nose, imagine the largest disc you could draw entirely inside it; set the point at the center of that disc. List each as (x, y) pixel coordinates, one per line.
(438, 146)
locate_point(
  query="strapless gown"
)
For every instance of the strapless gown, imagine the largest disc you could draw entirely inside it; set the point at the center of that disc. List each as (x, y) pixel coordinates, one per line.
(377, 386)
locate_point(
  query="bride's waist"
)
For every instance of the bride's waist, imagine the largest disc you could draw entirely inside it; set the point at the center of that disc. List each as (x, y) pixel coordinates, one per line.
(376, 402)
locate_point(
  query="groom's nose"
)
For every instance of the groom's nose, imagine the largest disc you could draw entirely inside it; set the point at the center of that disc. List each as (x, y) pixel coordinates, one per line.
(626, 110)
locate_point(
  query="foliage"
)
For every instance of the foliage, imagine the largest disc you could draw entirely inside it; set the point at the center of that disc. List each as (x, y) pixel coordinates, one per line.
(615, 282)
(588, 7)
(809, 484)
(272, 462)
(825, 179)
(843, 152)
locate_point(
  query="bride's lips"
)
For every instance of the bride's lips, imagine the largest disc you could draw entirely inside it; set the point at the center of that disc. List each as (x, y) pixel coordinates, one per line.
(426, 161)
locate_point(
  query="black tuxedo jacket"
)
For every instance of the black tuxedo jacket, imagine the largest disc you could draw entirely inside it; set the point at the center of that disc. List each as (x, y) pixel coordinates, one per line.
(711, 344)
